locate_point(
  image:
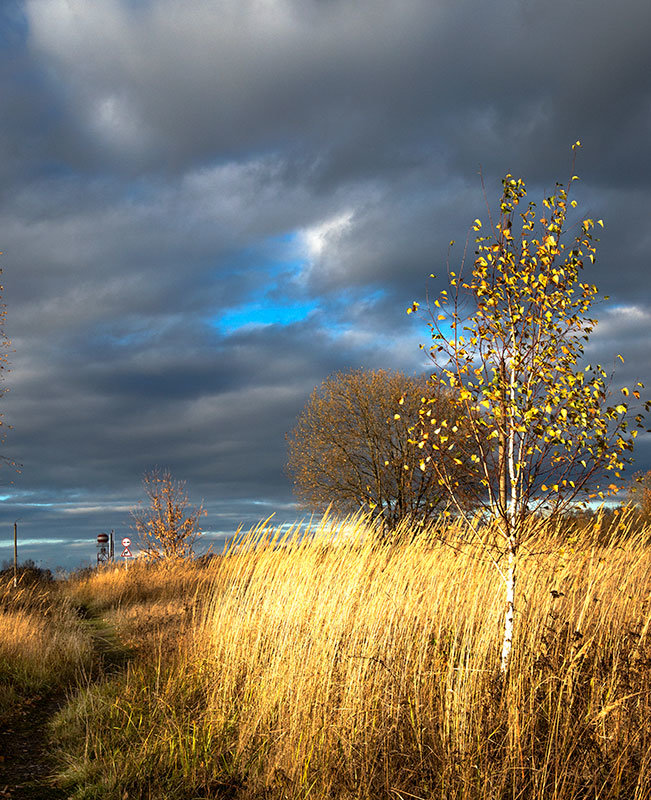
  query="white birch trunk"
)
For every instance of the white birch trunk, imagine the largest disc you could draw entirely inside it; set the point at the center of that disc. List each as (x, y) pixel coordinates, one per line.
(507, 643)
(512, 538)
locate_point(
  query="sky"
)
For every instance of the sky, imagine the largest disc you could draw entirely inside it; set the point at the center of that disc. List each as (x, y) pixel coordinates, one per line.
(208, 206)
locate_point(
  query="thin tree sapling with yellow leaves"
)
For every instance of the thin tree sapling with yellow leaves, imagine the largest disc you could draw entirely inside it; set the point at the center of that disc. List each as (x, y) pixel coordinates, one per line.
(508, 339)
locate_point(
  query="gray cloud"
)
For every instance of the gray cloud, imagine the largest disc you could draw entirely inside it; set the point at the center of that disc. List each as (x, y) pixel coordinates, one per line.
(207, 208)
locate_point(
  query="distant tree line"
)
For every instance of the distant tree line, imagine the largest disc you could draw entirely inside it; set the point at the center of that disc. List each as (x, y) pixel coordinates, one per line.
(28, 572)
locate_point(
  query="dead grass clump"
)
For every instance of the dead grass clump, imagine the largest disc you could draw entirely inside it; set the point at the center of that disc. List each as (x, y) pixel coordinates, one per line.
(142, 582)
(43, 648)
(29, 595)
(154, 626)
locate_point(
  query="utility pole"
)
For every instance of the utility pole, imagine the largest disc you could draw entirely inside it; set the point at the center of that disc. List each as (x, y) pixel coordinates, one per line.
(15, 555)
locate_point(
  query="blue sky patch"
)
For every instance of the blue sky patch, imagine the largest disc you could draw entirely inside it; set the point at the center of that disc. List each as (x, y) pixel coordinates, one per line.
(258, 314)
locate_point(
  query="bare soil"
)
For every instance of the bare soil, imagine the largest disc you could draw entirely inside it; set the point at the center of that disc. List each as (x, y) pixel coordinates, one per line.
(25, 765)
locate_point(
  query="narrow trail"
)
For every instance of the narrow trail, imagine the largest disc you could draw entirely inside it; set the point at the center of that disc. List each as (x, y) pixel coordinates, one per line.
(25, 768)
(25, 763)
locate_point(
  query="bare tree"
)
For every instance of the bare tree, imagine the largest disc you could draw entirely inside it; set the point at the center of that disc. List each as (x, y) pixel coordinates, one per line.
(350, 446)
(168, 526)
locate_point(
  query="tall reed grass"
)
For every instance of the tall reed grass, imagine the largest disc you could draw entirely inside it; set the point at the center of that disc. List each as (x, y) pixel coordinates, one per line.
(332, 666)
(42, 641)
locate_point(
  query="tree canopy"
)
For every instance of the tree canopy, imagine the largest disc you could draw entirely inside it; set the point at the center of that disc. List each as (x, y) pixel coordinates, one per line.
(169, 525)
(350, 446)
(640, 493)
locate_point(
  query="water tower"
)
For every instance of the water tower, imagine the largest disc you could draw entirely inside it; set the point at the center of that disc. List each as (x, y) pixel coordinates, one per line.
(103, 554)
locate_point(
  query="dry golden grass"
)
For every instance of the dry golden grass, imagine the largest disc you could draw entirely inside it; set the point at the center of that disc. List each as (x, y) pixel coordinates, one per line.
(42, 641)
(142, 582)
(331, 666)
(374, 671)
(37, 652)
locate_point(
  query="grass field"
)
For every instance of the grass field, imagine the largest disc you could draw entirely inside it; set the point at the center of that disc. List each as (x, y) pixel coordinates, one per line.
(332, 666)
(42, 642)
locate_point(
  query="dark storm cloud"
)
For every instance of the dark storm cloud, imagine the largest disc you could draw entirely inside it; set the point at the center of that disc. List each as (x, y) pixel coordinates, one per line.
(208, 207)
(355, 82)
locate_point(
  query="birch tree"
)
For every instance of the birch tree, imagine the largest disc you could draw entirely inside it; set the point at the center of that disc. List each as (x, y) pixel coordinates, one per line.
(508, 339)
